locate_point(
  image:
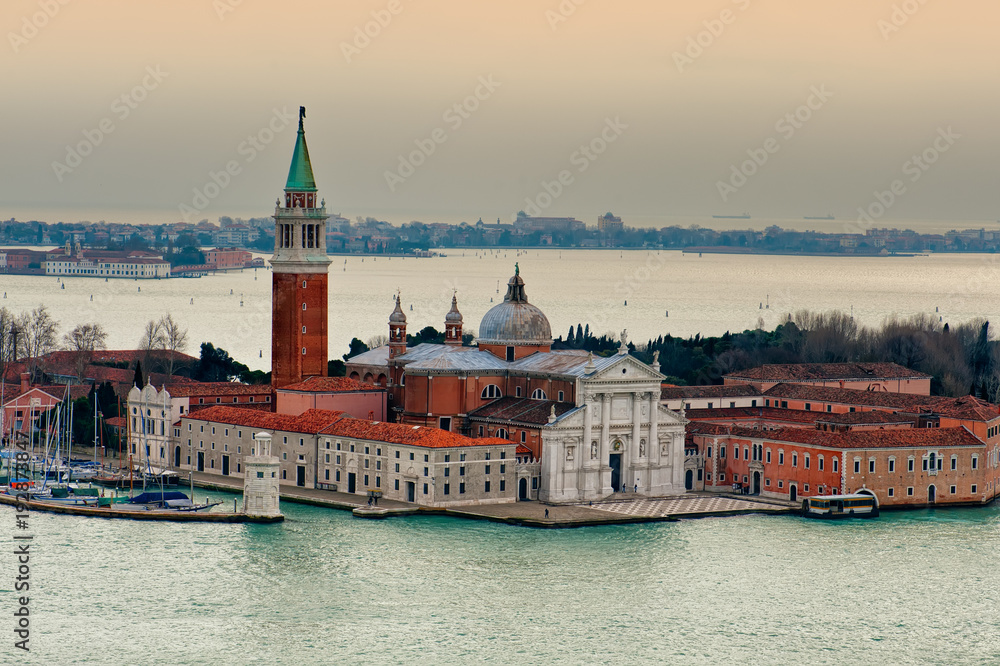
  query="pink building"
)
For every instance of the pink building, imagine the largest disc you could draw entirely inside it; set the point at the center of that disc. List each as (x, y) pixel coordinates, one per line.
(342, 394)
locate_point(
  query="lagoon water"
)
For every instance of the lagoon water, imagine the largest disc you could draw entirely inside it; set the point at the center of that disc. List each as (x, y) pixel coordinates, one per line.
(324, 587)
(709, 294)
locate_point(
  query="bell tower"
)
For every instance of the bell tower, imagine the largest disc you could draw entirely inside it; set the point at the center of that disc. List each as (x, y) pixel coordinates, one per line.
(299, 275)
(453, 324)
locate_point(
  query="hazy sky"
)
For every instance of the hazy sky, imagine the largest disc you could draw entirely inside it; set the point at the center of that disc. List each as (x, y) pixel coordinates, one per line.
(627, 78)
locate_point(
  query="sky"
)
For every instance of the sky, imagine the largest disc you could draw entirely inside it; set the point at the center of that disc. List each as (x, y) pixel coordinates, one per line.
(440, 110)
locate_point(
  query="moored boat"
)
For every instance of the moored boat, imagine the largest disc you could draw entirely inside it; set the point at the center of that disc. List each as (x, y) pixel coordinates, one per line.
(859, 505)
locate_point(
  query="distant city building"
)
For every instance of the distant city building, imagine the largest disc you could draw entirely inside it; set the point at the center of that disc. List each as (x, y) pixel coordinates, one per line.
(609, 224)
(228, 257)
(77, 262)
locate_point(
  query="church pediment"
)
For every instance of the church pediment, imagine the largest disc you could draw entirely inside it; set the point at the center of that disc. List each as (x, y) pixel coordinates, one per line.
(625, 368)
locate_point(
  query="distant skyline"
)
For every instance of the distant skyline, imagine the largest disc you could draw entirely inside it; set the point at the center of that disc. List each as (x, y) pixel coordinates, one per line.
(450, 111)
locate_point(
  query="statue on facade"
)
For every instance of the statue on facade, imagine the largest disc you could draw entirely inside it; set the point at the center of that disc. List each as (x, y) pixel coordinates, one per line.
(642, 448)
(593, 450)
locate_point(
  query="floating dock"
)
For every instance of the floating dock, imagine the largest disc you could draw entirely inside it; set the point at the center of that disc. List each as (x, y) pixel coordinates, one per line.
(145, 514)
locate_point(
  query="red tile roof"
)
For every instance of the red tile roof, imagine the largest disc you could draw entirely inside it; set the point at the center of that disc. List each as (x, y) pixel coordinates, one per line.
(833, 371)
(876, 417)
(866, 439)
(753, 414)
(966, 407)
(337, 424)
(331, 385)
(213, 389)
(310, 421)
(398, 433)
(671, 392)
(521, 410)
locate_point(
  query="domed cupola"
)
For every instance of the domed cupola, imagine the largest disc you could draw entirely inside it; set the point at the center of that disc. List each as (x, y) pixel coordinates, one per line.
(397, 331)
(515, 328)
(453, 324)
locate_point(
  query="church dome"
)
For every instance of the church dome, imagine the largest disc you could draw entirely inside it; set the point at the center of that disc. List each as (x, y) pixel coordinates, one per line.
(515, 321)
(397, 316)
(453, 316)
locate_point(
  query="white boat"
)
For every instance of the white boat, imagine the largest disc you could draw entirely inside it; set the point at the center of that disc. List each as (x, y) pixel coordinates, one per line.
(858, 505)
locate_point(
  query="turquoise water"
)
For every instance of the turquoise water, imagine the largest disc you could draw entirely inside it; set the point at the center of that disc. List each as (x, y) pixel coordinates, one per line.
(325, 587)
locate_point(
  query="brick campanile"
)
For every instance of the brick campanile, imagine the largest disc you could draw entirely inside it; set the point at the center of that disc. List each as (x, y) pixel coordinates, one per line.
(300, 271)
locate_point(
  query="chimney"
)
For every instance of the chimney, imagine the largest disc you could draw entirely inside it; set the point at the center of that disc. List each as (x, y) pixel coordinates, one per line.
(25, 382)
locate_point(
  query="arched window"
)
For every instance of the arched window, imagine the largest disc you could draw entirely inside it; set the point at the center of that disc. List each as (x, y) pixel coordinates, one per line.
(538, 394)
(492, 391)
(501, 433)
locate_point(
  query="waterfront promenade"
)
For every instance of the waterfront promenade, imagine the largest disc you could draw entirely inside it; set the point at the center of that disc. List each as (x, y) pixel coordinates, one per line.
(622, 508)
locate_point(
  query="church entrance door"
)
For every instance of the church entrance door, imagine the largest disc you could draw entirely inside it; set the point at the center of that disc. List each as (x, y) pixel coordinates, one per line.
(756, 483)
(411, 491)
(615, 461)
(689, 480)
(522, 489)
(352, 482)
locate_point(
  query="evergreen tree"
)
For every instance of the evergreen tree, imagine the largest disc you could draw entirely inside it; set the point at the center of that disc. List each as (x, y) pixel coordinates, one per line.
(586, 332)
(139, 381)
(569, 338)
(579, 334)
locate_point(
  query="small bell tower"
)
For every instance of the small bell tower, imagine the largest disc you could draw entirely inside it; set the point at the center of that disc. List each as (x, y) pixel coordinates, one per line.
(397, 331)
(453, 324)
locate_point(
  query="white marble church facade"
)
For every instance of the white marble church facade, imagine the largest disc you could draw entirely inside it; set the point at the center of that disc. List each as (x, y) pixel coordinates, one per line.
(618, 438)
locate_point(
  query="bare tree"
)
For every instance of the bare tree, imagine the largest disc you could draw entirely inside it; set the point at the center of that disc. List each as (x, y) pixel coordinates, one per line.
(377, 341)
(152, 340)
(85, 339)
(174, 339)
(36, 336)
(7, 336)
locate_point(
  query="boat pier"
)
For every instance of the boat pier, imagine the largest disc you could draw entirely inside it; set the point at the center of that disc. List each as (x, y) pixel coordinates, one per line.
(114, 511)
(620, 509)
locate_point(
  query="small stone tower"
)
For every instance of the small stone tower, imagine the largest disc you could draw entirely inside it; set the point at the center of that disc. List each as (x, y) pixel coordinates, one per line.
(260, 489)
(453, 324)
(397, 331)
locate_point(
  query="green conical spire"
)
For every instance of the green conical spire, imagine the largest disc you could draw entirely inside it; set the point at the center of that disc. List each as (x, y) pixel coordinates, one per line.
(300, 174)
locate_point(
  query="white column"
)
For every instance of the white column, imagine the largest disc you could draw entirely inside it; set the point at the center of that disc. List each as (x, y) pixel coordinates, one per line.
(654, 418)
(605, 427)
(585, 459)
(636, 423)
